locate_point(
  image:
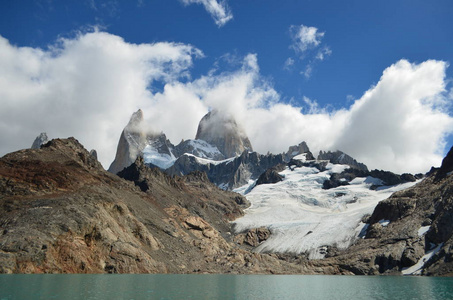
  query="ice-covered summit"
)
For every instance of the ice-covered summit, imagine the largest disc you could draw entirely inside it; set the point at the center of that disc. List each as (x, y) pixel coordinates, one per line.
(221, 130)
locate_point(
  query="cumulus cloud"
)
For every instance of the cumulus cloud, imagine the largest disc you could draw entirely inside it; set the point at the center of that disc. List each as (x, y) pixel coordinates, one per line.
(89, 85)
(218, 10)
(401, 123)
(86, 87)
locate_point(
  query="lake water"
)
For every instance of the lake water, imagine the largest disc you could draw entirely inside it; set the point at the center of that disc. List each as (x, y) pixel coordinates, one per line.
(223, 287)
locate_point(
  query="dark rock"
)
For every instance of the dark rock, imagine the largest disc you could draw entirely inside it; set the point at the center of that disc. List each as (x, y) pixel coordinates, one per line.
(299, 149)
(446, 167)
(94, 154)
(387, 177)
(271, 175)
(406, 177)
(228, 174)
(412, 254)
(339, 157)
(335, 181)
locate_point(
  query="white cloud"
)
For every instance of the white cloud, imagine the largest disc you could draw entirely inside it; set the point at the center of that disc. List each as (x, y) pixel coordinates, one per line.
(89, 86)
(401, 123)
(397, 125)
(306, 44)
(219, 10)
(323, 53)
(85, 87)
(305, 37)
(288, 63)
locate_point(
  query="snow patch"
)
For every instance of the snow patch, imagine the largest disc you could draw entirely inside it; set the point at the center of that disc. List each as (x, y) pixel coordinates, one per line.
(423, 230)
(418, 267)
(204, 149)
(384, 223)
(162, 160)
(205, 161)
(302, 157)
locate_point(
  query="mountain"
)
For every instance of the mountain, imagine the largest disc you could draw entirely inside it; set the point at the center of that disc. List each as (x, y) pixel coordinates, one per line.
(198, 148)
(135, 140)
(339, 157)
(61, 212)
(305, 218)
(40, 140)
(411, 232)
(221, 130)
(230, 173)
(302, 148)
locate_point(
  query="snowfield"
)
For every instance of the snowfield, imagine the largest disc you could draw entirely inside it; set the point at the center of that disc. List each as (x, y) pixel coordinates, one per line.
(303, 217)
(162, 160)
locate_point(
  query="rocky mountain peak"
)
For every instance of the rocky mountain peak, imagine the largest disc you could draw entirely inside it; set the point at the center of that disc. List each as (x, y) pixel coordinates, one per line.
(136, 119)
(447, 165)
(137, 139)
(339, 157)
(132, 142)
(40, 140)
(302, 148)
(221, 130)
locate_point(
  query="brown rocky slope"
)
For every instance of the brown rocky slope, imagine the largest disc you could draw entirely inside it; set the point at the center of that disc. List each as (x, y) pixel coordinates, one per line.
(61, 212)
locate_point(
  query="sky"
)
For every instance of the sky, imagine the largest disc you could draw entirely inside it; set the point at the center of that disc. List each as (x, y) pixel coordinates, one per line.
(372, 79)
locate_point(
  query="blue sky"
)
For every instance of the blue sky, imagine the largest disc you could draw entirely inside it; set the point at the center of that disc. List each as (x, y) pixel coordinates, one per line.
(327, 53)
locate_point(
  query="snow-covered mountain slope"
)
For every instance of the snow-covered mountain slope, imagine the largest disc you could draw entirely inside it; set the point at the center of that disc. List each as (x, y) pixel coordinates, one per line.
(304, 217)
(199, 148)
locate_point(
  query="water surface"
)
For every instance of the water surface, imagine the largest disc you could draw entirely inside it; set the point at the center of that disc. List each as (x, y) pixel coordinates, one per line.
(223, 287)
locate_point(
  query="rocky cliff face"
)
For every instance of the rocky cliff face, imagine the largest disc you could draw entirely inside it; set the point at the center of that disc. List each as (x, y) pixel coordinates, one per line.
(222, 131)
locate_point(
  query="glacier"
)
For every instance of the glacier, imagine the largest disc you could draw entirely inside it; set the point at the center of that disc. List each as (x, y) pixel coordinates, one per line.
(305, 218)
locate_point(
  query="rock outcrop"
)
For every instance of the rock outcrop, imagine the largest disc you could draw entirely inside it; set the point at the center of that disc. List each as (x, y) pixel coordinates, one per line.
(221, 130)
(40, 140)
(271, 175)
(339, 157)
(302, 148)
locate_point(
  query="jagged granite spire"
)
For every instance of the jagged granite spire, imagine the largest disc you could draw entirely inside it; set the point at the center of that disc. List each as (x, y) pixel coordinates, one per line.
(40, 140)
(221, 130)
(137, 139)
(132, 142)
